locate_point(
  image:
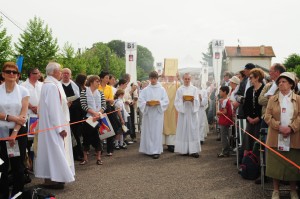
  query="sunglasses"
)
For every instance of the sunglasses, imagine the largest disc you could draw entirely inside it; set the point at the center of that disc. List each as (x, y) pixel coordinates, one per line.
(11, 72)
(35, 73)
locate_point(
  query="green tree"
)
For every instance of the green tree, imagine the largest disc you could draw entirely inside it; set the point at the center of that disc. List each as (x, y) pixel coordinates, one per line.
(296, 70)
(292, 61)
(100, 57)
(5, 49)
(68, 59)
(141, 74)
(118, 47)
(68, 51)
(145, 59)
(37, 45)
(208, 56)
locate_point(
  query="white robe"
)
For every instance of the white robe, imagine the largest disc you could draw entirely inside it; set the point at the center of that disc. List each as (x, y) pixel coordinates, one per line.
(54, 155)
(187, 133)
(203, 124)
(153, 117)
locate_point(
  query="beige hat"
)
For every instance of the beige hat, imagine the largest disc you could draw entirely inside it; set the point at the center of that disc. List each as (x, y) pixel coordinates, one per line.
(235, 80)
(288, 75)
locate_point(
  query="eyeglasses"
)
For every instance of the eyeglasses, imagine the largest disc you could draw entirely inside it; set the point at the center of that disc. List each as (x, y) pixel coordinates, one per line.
(11, 72)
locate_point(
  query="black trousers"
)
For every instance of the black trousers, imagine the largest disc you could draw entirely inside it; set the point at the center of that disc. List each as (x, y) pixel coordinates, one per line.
(132, 116)
(110, 144)
(16, 164)
(91, 137)
(77, 150)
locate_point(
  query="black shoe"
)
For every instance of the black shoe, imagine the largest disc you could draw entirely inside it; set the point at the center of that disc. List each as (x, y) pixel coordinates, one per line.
(78, 159)
(155, 156)
(222, 155)
(195, 155)
(171, 148)
(27, 178)
(218, 139)
(57, 185)
(124, 146)
(258, 180)
(201, 142)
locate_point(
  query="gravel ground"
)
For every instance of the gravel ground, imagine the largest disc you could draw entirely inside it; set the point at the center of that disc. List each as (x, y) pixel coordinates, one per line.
(129, 174)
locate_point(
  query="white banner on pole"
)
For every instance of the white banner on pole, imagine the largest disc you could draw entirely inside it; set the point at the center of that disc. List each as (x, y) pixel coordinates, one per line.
(131, 57)
(159, 68)
(218, 47)
(204, 75)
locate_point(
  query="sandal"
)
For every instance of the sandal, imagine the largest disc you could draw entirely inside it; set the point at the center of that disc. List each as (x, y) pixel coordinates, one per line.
(99, 162)
(84, 162)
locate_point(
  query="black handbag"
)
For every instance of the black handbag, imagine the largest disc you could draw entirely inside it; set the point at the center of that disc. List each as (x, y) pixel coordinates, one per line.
(36, 193)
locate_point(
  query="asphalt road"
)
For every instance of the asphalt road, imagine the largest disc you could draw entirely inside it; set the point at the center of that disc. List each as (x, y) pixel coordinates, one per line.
(129, 174)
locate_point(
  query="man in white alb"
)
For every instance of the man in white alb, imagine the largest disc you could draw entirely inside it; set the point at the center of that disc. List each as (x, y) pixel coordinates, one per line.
(187, 104)
(54, 161)
(153, 101)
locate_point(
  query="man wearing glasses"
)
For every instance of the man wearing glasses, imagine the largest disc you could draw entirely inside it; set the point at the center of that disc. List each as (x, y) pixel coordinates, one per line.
(34, 86)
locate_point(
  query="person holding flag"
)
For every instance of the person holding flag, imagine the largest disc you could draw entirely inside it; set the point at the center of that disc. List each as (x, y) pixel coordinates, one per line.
(93, 102)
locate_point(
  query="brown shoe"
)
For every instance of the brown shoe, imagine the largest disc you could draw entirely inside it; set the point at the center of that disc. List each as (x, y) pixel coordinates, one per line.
(99, 162)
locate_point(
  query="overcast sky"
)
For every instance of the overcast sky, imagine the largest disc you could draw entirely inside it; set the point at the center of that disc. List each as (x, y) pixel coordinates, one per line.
(168, 28)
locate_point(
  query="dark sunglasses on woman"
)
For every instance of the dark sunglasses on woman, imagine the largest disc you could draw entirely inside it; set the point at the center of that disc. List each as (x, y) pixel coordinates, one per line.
(11, 72)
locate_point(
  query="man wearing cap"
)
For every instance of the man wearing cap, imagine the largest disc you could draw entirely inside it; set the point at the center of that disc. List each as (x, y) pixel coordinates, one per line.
(240, 96)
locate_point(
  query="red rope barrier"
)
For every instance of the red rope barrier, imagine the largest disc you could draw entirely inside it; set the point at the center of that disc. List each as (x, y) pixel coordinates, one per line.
(48, 129)
(265, 145)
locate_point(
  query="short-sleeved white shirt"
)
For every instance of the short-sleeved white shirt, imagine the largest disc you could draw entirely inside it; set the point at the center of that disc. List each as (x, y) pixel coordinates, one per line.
(34, 92)
(11, 103)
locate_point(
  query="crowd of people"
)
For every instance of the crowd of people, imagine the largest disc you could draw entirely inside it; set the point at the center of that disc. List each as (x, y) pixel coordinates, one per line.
(262, 105)
(166, 110)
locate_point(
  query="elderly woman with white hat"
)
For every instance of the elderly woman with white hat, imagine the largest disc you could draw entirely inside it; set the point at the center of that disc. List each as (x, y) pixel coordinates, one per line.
(283, 117)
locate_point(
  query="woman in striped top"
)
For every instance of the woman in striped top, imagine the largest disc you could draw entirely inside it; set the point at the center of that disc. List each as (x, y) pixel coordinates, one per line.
(93, 102)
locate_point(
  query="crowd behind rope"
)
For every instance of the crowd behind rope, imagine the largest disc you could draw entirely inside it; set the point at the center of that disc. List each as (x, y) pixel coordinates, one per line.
(176, 106)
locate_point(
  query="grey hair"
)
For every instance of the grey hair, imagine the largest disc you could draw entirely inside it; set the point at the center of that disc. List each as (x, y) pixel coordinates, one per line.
(51, 67)
(67, 69)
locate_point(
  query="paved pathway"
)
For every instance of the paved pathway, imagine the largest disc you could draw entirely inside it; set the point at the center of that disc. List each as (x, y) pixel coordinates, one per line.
(129, 174)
